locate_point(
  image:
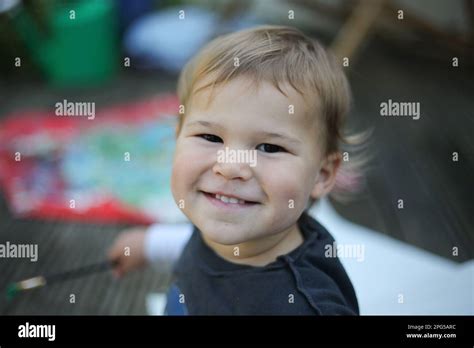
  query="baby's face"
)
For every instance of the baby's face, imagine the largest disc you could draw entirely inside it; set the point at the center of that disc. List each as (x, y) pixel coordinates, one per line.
(269, 193)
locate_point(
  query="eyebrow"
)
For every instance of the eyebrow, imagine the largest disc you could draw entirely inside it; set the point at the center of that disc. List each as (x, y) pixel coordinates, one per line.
(205, 124)
(264, 134)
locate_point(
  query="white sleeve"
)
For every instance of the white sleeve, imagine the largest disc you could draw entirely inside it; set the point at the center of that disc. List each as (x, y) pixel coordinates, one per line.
(165, 242)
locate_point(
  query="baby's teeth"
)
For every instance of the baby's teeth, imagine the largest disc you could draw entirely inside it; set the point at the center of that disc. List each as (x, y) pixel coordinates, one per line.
(229, 199)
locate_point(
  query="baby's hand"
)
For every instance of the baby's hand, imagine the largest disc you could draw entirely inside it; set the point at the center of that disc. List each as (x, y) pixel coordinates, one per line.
(128, 251)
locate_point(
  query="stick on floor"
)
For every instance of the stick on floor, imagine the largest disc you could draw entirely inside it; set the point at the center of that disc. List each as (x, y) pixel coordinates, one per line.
(40, 281)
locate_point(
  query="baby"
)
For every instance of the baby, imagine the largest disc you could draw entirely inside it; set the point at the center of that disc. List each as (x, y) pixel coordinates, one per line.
(257, 143)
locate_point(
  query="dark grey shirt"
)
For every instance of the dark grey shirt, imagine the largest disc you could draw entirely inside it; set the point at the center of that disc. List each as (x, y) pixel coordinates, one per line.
(303, 282)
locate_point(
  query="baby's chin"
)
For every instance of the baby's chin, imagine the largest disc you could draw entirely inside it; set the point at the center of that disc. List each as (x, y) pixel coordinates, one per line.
(227, 233)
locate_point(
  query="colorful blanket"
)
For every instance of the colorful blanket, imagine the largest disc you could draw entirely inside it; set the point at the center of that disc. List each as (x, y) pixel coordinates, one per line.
(113, 168)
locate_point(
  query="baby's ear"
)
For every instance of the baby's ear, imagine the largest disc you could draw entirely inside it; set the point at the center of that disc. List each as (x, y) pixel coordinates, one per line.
(326, 176)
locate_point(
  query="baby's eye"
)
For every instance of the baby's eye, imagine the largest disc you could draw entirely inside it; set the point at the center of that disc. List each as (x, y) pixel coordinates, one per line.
(270, 148)
(211, 138)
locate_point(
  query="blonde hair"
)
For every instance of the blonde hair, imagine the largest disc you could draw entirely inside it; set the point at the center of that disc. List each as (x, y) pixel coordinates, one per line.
(275, 54)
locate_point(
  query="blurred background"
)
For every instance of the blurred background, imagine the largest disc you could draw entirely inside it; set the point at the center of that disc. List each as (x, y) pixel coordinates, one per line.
(70, 184)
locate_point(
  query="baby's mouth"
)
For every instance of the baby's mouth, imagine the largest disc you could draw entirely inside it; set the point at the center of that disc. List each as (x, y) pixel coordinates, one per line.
(228, 199)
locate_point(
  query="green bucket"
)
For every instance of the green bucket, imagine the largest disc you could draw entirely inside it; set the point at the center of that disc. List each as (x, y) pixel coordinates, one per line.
(80, 47)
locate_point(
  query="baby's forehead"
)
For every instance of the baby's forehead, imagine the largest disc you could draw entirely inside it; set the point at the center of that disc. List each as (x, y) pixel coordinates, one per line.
(262, 96)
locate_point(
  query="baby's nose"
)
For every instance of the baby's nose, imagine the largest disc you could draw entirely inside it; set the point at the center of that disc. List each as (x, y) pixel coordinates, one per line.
(231, 171)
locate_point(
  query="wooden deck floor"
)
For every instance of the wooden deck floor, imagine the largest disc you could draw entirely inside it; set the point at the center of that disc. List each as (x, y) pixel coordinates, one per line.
(63, 246)
(412, 159)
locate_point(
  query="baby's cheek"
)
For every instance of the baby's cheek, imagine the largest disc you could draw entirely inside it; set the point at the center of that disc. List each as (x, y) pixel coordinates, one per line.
(292, 198)
(286, 188)
(287, 202)
(181, 173)
(177, 181)
(189, 164)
